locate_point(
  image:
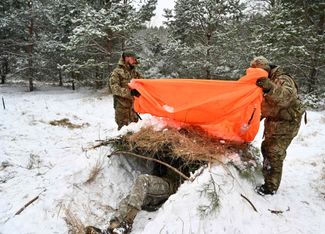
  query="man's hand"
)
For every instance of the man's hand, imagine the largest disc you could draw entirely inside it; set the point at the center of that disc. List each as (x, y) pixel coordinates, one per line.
(135, 93)
(265, 83)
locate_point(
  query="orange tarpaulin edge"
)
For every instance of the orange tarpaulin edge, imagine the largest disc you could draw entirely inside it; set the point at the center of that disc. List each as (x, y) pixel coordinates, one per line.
(226, 109)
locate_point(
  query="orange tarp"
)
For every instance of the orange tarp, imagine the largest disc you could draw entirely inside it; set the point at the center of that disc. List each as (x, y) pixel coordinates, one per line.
(226, 109)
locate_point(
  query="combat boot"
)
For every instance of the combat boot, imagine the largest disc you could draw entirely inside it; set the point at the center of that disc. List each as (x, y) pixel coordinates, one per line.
(263, 190)
(94, 230)
(123, 227)
(113, 223)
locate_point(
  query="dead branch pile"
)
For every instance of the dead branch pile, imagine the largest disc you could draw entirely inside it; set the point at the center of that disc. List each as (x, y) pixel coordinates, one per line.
(189, 144)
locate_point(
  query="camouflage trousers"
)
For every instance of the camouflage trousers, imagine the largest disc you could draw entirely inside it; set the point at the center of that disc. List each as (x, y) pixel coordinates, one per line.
(124, 114)
(148, 192)
(277, 138)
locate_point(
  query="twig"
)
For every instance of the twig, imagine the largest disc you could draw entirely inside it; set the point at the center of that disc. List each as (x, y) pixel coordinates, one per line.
(28, 203)
(198, 173)
(60, 204)
(3, 103)
(249, 202)
(102, 143)
(276, 211)
(151, 159)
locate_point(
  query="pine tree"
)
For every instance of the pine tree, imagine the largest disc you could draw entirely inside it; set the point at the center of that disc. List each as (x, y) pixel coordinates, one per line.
(11, 35)
(28, 38)
(47, 39)
(5, 34)
(151, 44)
(101, 32)
(292, 35)
(197, 27)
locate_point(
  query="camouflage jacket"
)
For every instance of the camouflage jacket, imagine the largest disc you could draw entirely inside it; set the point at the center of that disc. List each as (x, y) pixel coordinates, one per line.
(282, 102)
(120, 78)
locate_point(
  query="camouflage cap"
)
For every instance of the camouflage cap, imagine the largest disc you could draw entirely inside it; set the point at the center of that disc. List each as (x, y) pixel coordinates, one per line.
(260, 62)
(129, 53)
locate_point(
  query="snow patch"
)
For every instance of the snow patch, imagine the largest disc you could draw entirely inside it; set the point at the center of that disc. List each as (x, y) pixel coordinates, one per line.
(37, 158)
(169, 109)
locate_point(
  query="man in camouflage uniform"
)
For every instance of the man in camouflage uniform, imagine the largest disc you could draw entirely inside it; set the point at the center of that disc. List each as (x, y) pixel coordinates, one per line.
(282, 111)
(147, 193)
(120, 77)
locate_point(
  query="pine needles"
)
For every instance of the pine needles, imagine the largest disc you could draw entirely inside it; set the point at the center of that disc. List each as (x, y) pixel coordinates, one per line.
(211, 191)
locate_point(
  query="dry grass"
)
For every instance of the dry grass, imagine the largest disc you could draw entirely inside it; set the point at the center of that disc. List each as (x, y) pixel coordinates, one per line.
(65, 122)
(34, 161)
(190, 144)
(75, 225)
(95, 170)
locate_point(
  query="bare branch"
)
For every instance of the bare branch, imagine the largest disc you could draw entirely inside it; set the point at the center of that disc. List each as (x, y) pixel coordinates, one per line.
(249, 202)
(28, 203)
(151, 159)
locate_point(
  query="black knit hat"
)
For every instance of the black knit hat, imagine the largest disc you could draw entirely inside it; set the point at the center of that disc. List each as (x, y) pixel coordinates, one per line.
(129, 53)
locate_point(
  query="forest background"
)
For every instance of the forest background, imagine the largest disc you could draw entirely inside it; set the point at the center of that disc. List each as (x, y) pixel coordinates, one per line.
(60, 41)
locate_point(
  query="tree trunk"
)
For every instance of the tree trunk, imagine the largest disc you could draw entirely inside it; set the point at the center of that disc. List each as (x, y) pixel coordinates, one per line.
(30, 64)
(3, 75)
(4, 69)
(30, 48)
(312, 79)
(125, 16)
(208, 72)
(321, 24)
(60, 77)
(109, 48)
(73, 76)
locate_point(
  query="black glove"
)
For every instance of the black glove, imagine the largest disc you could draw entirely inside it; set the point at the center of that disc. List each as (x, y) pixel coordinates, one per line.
(135, 93)
(265, 83)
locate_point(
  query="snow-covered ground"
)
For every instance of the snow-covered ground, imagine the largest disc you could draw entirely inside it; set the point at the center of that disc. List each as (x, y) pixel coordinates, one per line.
(51, 162)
